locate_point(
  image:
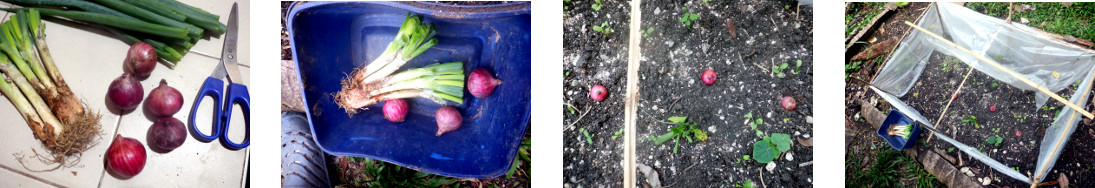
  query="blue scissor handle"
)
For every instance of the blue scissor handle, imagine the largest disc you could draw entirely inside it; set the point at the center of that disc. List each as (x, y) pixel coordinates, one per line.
(237, 94)
(212, 87)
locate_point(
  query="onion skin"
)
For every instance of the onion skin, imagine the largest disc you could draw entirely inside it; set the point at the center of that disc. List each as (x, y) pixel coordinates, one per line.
(125, 92)
(709, 77)
(481, 83)
(598, 93)
(126, 157)
(140, 60)
(164, 101)
(448, 120)
(395, 110)
(167, 133)
(788, 103)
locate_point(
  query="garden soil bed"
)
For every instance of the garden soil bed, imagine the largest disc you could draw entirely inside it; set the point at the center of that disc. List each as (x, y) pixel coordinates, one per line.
(1017, 120)
(768, 33)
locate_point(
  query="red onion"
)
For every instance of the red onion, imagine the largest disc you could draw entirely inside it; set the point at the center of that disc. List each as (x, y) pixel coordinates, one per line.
(481, 83)
(164, 101)
(708, 77)
(395, 110)
(598, 93)
(448, 119)
(141, 60)
(992, 108)
(125, 157)
(125, 92)
(167, 133)
(788, 103)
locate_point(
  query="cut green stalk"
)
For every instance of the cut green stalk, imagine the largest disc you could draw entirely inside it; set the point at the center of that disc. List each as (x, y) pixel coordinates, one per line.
(120, 22)
(23, 106)
(52, 124)
(214, 26)
(158, 8)
(149, 16)
(20, 32)
(409, 42)
(189, 11)
(82, 5)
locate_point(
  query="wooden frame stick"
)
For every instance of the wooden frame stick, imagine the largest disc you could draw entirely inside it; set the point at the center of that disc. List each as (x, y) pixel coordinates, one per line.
(631, 102)
(1041, 88)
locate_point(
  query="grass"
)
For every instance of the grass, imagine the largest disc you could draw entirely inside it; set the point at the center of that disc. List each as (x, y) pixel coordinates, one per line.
(888, 167)
(1074, 20)
(860, 19)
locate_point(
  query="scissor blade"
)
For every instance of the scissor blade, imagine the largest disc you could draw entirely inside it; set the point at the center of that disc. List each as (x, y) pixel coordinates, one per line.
(228, 54)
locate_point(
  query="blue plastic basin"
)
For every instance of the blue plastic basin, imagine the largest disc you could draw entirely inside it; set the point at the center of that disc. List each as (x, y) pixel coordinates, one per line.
(330, 39)
(897, 118)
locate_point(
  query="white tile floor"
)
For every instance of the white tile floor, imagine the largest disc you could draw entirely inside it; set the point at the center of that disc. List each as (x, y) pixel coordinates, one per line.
(89, 61)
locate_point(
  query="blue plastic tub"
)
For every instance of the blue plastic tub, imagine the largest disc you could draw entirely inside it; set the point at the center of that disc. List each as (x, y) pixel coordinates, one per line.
(897, 118)
(330, 39)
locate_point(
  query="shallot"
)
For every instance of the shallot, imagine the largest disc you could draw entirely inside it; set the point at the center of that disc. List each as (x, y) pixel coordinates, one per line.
(708, 77)
(788, 103)
(598, 93)
(395, 110)
(448, 120)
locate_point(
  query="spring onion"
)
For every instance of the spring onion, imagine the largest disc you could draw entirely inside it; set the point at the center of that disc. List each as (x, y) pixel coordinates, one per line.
(375, 82)
(904, 131)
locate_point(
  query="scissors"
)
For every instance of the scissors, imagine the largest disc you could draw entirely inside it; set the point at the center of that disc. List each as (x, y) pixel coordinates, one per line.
(214, 86)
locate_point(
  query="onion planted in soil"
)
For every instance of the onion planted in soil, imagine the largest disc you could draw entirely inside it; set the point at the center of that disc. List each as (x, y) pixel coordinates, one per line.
(708, 77)
(141, 60)
(125, 92)
(395, 110)
(167, 133)
(788, 103)
(448, 120)
(126, 157)
(164, 101)
(598, 93)
(481, 83)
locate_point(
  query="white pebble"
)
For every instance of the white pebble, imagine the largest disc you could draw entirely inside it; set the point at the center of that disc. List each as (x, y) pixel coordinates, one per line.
(789, 157)
(771, 165)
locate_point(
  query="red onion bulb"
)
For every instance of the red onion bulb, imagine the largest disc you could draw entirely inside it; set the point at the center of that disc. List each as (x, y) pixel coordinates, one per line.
(167, 133)
(598, 93)
(125, 92)
(125, 157)
(141, 60)
(708, 77)
(788, 103)
(164, 101)
(481, 83)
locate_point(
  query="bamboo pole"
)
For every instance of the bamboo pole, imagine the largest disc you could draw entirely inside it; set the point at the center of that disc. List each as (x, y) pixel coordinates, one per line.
(959, 89)
(632, 99)
(988, 61)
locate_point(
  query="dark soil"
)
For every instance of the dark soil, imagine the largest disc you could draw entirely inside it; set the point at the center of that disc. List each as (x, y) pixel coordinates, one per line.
(769, 33)
(1017, 119)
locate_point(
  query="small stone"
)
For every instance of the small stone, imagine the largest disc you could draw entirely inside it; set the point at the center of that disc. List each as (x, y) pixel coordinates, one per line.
(704, 47)
(711, 129)
(770, 166)
(1024, 20)
(769, 115)
(806, 136)
(669, 43)
(986, 181)
(810, 119)
(966, 170)
(789, 157)
(798, 133)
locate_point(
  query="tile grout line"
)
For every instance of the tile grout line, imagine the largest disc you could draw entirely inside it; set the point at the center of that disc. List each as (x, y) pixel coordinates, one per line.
(117, 126)
(28, 175)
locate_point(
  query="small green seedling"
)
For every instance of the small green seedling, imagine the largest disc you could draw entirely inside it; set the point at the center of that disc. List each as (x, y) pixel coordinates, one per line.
(971, 120)
(995, 140)
(994, 84)
(648, 32)
(683, 129)
(779, 69)
(765, 150)
(687, 18)
(597, 5)
(603, 28)
(617, 134)
(572, 111)
(589, 139)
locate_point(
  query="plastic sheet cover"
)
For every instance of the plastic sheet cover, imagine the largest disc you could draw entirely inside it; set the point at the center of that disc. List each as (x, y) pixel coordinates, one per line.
(1029, 52)
(1024, 50)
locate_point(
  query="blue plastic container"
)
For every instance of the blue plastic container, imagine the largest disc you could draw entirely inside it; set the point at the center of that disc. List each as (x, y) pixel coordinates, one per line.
(330, 39)
(897, 118)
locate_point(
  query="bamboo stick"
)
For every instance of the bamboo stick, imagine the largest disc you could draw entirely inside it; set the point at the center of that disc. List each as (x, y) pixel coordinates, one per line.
(632, 99)
(988, 61)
